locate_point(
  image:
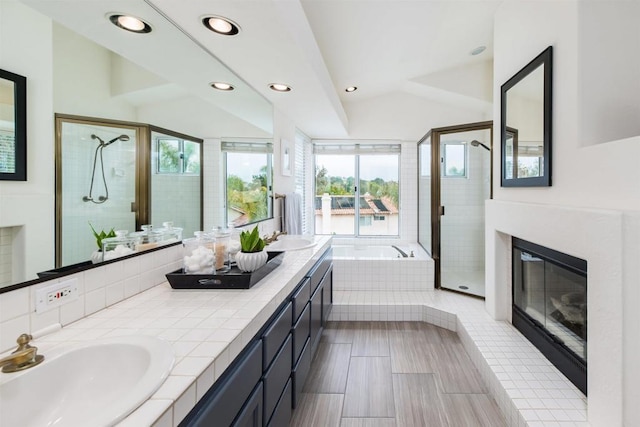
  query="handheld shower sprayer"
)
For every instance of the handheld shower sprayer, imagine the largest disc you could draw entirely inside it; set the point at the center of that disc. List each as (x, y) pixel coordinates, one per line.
(99, 148)
(117, 138)
(477, 143)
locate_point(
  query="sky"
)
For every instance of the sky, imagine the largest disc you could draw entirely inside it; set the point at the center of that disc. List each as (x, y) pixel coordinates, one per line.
(245, 165)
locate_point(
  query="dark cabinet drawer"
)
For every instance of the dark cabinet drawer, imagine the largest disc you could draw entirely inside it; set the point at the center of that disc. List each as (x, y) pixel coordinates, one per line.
(282, 414)
(318, 271)
(221, 404)
(327, 297)
(275, 335)
(276, 378)
(301, 332)
(316, 318)
(251, 414)
(300, 298)
(300, 372)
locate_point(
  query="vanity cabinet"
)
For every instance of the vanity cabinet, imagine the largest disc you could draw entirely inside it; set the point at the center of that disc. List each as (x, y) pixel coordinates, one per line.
(226, 398)
(265, 381)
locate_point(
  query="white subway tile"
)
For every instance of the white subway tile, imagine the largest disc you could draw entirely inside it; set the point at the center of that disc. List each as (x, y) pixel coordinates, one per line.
(14, 304)
(43, 320)
(114, 293)
(11, 329)
(94, 301)
(94, 279)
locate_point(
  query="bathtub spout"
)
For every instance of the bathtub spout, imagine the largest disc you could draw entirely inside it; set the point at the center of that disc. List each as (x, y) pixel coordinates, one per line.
(404, 255)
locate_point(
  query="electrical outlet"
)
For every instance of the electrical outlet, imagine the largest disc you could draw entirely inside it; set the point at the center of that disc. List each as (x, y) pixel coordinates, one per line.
(56, 295)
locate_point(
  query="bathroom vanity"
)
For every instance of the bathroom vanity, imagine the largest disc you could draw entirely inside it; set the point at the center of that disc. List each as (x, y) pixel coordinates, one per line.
(264, 382)
(241, 356)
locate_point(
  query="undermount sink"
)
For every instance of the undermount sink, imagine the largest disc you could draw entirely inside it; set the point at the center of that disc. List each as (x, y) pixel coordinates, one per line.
(97, 383)
(292, 243)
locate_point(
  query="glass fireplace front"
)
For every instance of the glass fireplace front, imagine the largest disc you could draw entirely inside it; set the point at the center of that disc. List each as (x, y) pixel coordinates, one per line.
(550, 306)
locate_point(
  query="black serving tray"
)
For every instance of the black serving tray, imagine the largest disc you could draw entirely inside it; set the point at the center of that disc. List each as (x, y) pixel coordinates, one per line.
(232, 279)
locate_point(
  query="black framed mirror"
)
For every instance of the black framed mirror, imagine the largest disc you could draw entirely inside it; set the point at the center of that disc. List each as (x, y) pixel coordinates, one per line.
(526, 125)
(13, 127)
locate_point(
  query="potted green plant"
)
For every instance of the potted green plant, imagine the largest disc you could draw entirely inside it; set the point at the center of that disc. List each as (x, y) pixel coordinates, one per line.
(252, 255)
(96, 256)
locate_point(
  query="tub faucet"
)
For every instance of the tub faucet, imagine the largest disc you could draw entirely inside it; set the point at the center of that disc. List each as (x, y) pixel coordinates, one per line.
(24, 357)
(404, 255)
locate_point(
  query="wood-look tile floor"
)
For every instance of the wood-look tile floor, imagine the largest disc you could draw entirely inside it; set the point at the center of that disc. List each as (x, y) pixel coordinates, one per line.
(393, 374)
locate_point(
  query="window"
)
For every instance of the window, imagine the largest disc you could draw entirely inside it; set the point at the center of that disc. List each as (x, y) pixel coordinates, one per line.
(177, 156)
(454, 160)
(249, 178)
(357, 189)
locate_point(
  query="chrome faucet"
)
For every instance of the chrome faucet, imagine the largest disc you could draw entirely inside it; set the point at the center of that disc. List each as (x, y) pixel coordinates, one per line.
(273, 237)
(401, 252)
(24, 357)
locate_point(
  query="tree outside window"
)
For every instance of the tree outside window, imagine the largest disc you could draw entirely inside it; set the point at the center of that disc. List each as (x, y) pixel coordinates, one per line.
(249, 177)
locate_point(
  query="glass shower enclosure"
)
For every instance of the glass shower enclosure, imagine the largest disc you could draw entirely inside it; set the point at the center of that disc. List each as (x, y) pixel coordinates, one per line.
(455, 180)
(121, 175)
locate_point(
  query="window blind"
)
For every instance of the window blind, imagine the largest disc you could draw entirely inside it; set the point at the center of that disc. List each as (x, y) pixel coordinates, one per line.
(247, 147)
(358, 148)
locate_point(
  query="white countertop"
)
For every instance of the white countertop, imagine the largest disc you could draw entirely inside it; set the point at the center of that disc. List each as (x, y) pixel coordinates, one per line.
(207, 329)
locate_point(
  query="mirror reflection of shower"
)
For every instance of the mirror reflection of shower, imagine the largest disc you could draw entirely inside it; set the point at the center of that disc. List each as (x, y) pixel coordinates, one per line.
(99, 148)
(476, 143)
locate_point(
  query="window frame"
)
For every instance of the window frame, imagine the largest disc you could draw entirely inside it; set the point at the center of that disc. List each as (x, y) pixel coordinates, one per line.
(182, 159)
(444, 159)
(357, 217)
(269, 176)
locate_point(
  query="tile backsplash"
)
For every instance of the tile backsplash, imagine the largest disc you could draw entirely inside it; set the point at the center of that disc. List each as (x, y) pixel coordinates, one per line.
(98, 288)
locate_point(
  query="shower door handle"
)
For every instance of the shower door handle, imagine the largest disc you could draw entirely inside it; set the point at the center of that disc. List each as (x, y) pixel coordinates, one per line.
(134, 208)
(441, 210)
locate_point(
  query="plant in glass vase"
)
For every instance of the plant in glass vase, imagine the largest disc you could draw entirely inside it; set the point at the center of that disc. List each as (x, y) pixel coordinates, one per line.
(252, 255)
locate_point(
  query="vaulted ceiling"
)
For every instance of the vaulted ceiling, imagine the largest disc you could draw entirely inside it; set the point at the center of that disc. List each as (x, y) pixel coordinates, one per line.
(318, 47)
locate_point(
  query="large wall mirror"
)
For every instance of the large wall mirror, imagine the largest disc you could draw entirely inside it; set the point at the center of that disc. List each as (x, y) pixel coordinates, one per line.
(97, 71)
(13, 127)
(526, 125)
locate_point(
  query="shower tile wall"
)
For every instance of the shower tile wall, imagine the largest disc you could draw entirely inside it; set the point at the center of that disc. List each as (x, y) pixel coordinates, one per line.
(463, 223)
(119, 165)
(408, 192)
(176, 198)
(6, 246)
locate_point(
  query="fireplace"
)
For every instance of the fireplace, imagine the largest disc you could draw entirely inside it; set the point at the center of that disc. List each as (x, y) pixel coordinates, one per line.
(550, 306)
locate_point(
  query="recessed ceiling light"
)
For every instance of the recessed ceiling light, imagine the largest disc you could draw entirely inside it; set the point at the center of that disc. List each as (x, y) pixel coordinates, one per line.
(279, 87)
(221, 25)
(478, 50)
(351, 89)
(222, 86)
(130, 23)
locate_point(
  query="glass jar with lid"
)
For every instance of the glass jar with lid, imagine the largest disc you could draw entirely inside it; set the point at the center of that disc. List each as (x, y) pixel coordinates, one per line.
(234, 241)
(116, 247)
(222, 238)
(199, 254)
(170, 234)
(148, 238)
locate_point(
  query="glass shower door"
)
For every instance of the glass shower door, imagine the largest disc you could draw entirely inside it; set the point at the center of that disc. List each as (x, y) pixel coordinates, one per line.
(465, 184)
(97, 185)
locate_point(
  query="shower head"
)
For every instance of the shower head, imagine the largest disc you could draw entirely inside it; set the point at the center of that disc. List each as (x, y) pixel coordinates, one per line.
(117, 138)
(477, 143)
(94, 136)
